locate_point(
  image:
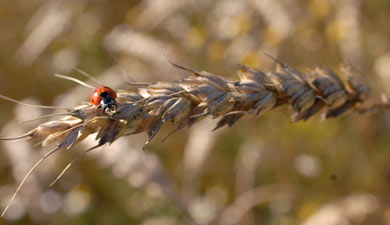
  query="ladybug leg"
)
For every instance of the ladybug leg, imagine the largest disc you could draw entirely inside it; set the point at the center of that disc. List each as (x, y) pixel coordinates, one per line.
(112, 107)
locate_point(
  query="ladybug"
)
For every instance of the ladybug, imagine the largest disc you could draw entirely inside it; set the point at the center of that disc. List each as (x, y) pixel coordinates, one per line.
(104, 97)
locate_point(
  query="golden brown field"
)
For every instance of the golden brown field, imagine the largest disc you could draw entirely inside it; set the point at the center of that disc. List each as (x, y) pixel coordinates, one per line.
(261, 170)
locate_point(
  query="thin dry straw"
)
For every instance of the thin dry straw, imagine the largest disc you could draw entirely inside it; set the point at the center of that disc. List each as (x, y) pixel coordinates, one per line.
(74, 80)
(73, 161)
(121, 66)
(82, 72)
(47, 116)
(44, 157)
(33, 105)
(26, 176)
(14, 138)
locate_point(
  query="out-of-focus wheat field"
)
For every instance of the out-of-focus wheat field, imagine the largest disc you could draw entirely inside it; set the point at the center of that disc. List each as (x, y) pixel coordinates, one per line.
(261, 171)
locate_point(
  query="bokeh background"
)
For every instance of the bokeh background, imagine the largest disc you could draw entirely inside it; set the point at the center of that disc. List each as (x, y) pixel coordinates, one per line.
(261, 171)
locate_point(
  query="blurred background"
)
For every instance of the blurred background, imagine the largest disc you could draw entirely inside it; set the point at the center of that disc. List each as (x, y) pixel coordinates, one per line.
(260, 171)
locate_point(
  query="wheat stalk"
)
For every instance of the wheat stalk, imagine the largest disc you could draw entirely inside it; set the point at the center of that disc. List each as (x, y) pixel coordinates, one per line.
(192, 98)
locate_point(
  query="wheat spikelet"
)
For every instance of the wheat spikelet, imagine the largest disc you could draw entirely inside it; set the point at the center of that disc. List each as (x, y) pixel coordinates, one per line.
(204, 94)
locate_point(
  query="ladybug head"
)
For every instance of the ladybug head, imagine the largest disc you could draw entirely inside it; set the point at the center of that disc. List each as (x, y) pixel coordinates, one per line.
(107, 103)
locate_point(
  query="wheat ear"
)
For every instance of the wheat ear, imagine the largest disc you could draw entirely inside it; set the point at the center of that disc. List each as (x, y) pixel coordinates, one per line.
(204, 94)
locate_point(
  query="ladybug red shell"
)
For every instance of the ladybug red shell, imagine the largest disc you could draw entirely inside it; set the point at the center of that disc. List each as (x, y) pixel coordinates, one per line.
(104, 97)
